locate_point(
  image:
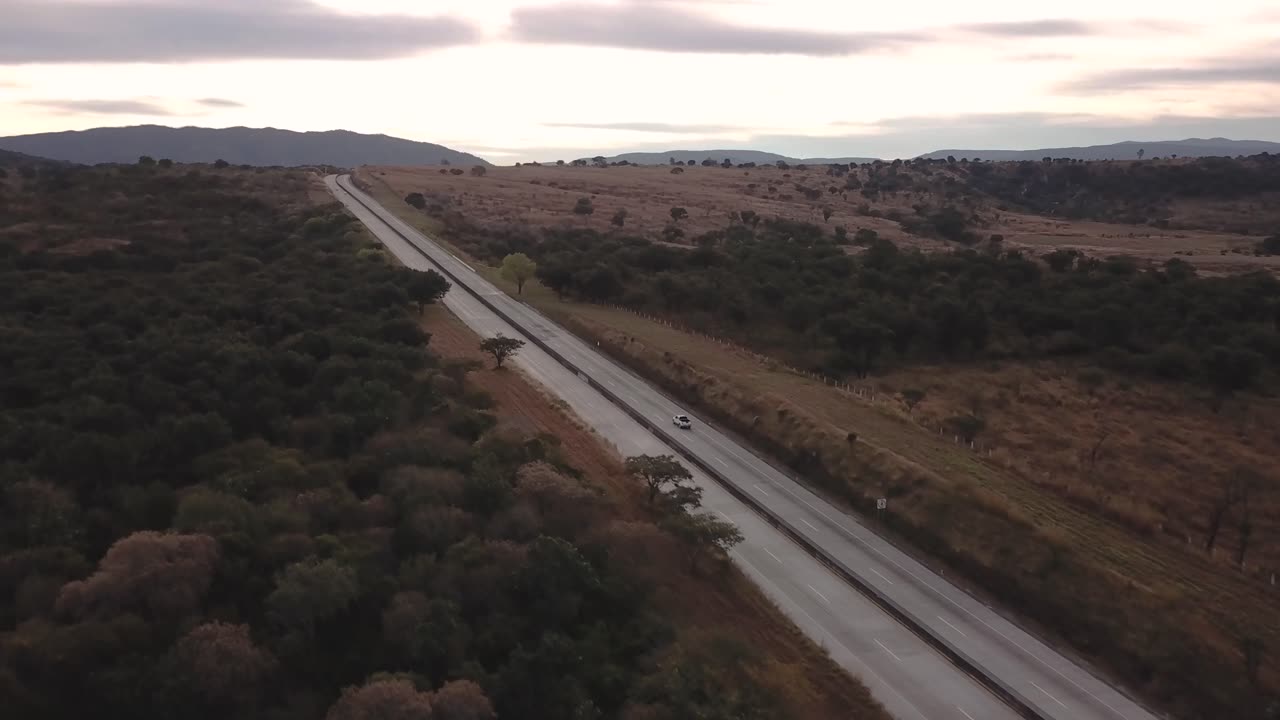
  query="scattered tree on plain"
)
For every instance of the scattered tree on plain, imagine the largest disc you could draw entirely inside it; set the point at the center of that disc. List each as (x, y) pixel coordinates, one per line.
(501, 348)
(518, 268)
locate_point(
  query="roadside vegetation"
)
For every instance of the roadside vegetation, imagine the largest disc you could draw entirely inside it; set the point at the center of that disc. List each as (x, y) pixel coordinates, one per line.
(1150, 553)
(715, 609)
(236, 481)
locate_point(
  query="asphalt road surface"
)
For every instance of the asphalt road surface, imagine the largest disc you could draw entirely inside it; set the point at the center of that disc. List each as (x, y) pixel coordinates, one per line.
(910, 676)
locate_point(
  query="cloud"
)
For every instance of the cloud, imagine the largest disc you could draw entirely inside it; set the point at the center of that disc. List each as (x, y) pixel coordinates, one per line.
(1041, 57)
(651, 127)
(219, 103)
(1031, 28)
(101, 107)
(1266, 71)
(72, 31)
(657, 27)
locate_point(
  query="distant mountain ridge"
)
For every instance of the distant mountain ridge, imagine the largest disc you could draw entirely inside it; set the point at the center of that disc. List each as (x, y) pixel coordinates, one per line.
(1128, 150)
(10, 158)
(238, 146)
(736, 157)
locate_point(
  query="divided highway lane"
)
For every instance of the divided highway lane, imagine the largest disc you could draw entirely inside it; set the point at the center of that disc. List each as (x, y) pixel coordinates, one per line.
(1031, 673)
(902, 672)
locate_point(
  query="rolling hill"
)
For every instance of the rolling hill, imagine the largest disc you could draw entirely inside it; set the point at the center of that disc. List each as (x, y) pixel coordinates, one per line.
(238, 146)
(10, 158)
(1128, 150)
(735, 156)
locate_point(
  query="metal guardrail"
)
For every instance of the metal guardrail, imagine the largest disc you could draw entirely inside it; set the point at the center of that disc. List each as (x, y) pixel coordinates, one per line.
(953, 654)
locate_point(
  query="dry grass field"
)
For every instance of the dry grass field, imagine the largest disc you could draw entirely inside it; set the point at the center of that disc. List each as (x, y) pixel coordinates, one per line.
(1112, 562)
(544, 196)
(720, 604)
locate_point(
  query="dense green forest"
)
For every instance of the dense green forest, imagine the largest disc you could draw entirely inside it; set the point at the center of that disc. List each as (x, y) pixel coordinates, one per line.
(789, 289)
(235, 482)
(1132, 192)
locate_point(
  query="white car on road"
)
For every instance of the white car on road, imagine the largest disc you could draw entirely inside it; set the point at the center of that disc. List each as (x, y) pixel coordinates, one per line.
(682, 422)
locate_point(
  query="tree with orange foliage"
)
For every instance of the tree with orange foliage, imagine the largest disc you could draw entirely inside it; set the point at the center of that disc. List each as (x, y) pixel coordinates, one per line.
(154, 573)
(221, 664)
(382, 700)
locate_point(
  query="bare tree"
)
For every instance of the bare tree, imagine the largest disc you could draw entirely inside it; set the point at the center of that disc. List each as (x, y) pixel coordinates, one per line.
(1250, 484)
(1252, 649)
(1096, 451)
(1232, 488)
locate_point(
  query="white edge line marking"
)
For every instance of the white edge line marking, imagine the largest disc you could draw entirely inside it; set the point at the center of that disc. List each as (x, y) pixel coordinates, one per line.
(775, 557)
(806, 522)
(953, 627)
(1046, 692)
(819, 594)
(962, 712)
(886, 649)
(835, 640)
(762, 490)
(882, 577)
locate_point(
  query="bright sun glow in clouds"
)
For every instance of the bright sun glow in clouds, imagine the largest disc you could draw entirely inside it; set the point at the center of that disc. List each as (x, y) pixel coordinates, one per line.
(543, 79)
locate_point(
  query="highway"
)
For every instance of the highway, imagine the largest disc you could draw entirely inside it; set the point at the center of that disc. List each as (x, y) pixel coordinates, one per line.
(925, 648)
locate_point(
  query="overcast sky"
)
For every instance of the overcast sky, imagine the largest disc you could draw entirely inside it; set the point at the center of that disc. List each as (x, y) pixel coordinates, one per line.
(516, 80)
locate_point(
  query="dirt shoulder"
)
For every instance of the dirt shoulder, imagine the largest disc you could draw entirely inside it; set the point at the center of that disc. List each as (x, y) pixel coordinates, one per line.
(720, 603)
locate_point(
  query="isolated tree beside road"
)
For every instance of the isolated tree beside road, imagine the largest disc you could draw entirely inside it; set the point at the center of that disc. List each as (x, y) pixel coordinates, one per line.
(619, 218)
(501, 348)
(417, 200)
(518, 268)
(678, 214)
(584, 207)
(426, 288)
(659, 472)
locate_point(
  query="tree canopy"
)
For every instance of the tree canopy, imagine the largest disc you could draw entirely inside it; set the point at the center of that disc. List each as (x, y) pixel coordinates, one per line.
(235, 480)
(502, 348)
(788, 289)
(518, 268)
